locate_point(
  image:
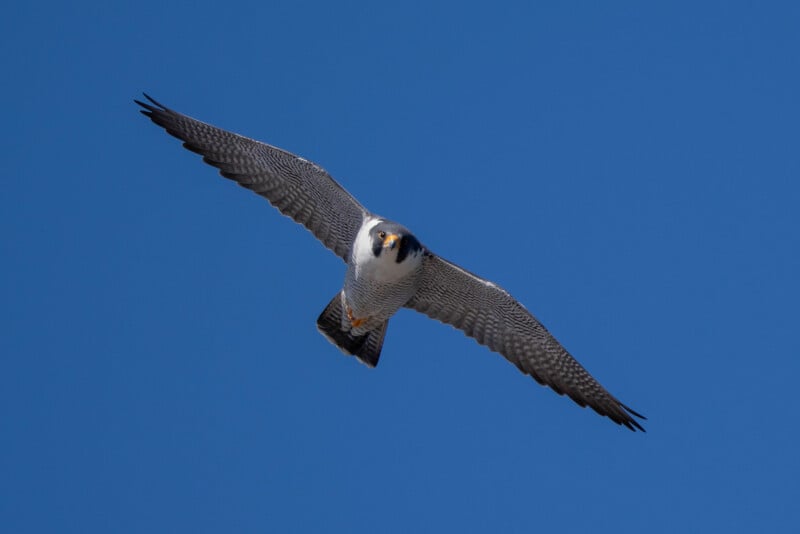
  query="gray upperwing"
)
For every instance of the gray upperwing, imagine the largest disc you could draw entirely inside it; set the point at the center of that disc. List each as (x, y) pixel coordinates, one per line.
(299, 188)
(494, 318)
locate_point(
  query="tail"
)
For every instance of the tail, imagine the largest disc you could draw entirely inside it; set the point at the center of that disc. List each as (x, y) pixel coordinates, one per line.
(366, 347)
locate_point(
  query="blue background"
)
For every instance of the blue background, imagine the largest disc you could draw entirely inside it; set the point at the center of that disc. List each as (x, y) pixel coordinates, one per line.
(628, 170)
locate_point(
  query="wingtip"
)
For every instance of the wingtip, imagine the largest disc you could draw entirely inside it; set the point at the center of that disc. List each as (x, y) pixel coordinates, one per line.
(633, 412)
(633, 426)
(154, 105)
(154, 101)
(629, 421)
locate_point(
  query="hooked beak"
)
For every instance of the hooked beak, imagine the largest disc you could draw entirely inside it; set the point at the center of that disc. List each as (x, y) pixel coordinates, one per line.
(390, 241)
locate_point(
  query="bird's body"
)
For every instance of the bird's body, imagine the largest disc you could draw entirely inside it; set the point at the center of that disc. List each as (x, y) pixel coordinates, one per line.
(387, 267)
(380, 278)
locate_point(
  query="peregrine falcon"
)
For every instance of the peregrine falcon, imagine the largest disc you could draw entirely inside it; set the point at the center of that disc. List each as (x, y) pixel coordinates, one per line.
(387, 267)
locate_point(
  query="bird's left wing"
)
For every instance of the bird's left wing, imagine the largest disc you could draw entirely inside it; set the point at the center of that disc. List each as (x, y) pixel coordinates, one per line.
(299, 188)
(494, 318)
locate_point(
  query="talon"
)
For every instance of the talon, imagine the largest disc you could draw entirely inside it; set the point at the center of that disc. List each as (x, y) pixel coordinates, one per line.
(353, 321)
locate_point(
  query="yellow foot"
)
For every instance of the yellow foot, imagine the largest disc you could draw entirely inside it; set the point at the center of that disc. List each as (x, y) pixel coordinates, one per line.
(353, 321)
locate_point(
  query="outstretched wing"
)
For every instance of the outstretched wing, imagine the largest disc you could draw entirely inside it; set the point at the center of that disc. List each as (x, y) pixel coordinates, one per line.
(494, 318)
(297, 187)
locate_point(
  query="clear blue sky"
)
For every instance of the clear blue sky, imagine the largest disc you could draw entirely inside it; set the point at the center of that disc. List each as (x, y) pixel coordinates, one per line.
(628, 171)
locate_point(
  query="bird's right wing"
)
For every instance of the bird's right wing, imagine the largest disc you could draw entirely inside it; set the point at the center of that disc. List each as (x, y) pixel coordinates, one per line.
(494, 318)
(299, 188)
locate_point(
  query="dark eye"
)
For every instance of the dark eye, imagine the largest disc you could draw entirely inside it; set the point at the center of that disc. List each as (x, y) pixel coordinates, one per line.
(382, 234)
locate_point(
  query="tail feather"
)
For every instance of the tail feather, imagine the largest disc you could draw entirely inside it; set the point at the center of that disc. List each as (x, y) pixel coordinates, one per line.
(366, 347)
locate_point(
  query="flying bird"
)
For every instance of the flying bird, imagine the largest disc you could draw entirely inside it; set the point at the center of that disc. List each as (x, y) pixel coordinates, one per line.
(387, 266)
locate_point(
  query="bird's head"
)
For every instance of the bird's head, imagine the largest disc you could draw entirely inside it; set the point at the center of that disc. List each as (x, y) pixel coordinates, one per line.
(390, 239)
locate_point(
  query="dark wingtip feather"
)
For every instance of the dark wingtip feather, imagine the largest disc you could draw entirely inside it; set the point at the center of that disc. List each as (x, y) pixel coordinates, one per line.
(629, 421)
(154, 102)
(633, 426)
(633, 412)
(148, 109)
(617, 412)
(153, 107)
